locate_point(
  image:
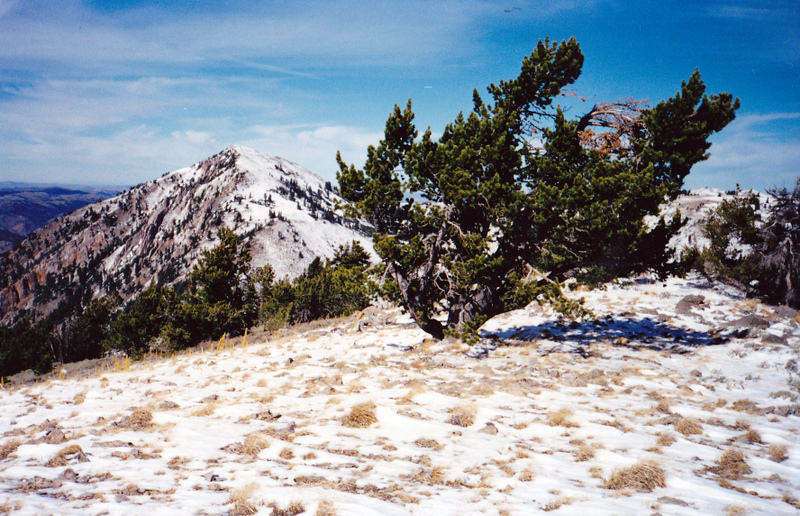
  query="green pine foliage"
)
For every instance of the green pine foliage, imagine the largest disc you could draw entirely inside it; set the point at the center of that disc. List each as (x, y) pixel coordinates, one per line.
(151, 315)
(732, 229)
(26, 345)
(464, 222)
(338, 286)
(85, 336)
(221, 299)
(758, 254)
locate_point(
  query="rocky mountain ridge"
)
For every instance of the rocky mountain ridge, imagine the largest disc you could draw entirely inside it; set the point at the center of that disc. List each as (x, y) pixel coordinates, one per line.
(156, 231)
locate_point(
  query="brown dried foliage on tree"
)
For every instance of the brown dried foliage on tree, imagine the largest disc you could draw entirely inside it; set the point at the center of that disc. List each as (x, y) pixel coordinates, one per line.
(615, 121)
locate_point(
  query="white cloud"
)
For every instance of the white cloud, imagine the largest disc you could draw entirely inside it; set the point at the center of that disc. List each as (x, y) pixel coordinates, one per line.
(335, 33)
(314, 147)
(751, 153)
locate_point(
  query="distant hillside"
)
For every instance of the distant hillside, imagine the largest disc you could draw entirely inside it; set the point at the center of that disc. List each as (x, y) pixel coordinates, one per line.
(156, 231)
(26, 207)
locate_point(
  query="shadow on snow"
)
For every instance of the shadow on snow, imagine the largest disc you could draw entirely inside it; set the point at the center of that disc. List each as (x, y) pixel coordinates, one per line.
(633, 333)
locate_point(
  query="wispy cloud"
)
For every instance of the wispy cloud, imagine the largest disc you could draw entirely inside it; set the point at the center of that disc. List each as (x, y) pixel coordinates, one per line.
(753, 153)
(352, 33)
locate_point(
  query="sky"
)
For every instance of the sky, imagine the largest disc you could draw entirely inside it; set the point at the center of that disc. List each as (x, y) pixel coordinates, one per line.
(120, 92)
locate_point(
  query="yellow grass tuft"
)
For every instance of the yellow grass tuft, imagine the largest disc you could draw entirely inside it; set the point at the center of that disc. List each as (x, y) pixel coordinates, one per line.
(254, 443)
(326, 508)
(121, 364)
(240, 498)
(462, 415)
(557, 503)
(642, 477)
(206, 410)
(688, 426)
(140, 419)
(72, 453)
(561, 417)
(777, 453)
(293, 509)
(526, 475)
(428, 443)
(434, 475)
(584, 452)
(665, 439)
(11, 446)
(731, 465)
(361, 415)
(753, 437)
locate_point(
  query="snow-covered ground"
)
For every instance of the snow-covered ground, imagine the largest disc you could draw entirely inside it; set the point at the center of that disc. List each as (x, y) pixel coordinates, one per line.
(666, 403)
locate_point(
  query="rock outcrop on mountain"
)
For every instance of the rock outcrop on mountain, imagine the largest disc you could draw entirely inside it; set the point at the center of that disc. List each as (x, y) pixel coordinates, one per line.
(156, 232)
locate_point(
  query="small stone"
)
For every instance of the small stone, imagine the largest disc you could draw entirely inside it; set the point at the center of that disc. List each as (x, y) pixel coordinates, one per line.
(267, 416)
(167, 405)
(785, 312)
(70, 475)
(209, 399)
(769, 338)
(489, 429)
(750, 321)
(672, 501)
(685, 305)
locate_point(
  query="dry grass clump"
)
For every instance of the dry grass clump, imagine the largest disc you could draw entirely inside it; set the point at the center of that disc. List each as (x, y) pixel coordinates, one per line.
(462, 415)
(326, 508)
(791, 500)
(561, 417)
(240, 498)
(9, 448)
(72, 453)
(663, 406)
(642, 477)
(777, 453)
(361, 415)
(254, 443)
(286, 454)
(731, 465)
(753, 437)
(557, 503)
(526, 475)
(745, 405)
(584, 452)
(734, 510)
(293, 509)
(140, 419)
(428, 443)
(665, 439)
(79, 398)
(434, 475)
(206, 410)
(688, 426)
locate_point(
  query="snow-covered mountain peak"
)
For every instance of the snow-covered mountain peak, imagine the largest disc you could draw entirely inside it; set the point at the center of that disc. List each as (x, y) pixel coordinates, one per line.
(156, 231)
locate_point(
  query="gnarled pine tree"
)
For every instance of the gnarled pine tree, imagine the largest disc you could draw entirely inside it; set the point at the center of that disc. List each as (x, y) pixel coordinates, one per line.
(494, 209)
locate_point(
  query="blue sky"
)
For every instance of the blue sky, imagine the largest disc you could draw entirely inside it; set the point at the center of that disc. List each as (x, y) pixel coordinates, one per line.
(119, 92)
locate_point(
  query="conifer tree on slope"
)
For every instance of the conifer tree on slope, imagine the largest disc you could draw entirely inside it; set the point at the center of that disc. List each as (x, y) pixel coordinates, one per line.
(495, 209)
